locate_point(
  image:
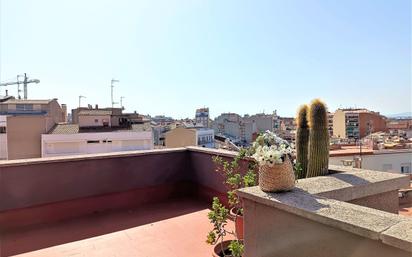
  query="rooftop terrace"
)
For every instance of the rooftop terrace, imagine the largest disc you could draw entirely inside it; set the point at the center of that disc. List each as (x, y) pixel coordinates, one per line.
(154, 203)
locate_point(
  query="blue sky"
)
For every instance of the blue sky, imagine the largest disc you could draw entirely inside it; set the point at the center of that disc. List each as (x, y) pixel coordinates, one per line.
(172, 56)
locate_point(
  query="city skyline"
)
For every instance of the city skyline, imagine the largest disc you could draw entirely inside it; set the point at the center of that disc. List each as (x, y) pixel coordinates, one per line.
(174, 57)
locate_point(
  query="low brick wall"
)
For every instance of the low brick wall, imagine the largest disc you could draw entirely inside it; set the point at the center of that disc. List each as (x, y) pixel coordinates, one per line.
(44, 190)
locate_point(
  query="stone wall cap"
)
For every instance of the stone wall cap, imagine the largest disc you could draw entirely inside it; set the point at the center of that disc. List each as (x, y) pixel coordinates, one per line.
(363, 221)
(346, 184)
(212, 151)
(81, 157)
(399, 235)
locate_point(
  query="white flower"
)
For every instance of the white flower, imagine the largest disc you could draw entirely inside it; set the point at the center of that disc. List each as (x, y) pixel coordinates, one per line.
(269, 149)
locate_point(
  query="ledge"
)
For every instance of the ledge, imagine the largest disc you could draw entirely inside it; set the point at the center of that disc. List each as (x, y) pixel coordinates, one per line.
(81, 157)
(347, 184)
(212, 151)
(389, 228)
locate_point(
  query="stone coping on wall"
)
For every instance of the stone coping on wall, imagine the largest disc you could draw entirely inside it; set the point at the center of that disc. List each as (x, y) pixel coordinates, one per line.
(391, 229)
(82, 157)
(347, 184)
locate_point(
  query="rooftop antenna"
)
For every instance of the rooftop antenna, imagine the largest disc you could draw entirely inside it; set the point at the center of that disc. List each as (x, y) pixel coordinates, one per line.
(18, 86)
(121, 101)
(111, 87)
(80, 99)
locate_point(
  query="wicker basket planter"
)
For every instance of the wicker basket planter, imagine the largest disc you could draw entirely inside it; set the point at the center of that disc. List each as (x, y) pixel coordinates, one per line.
(278, 178)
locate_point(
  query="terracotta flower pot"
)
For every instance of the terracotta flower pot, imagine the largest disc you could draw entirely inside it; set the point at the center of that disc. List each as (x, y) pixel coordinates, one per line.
(279, 177)
(238, 223)
(217, 250)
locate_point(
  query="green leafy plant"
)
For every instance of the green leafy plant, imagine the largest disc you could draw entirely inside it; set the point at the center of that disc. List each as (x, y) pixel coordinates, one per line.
(218, 216)
(235, 177)
(238, 173)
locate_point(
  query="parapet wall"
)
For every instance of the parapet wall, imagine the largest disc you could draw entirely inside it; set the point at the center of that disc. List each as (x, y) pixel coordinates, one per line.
(316, 218)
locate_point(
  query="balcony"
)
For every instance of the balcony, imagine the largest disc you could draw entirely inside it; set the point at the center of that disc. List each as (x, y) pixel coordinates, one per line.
(154, 203)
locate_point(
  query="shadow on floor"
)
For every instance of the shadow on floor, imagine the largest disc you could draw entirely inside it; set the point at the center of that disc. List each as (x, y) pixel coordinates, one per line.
(37, 237)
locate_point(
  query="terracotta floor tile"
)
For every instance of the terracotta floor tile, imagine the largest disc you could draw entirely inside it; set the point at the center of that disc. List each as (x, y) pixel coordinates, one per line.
(405, 210)
(177, 228)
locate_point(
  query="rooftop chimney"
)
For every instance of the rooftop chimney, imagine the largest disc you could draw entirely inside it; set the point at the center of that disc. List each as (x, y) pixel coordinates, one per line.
(64, 113)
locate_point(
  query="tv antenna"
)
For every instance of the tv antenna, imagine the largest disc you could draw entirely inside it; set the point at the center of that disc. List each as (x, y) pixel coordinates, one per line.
(80, 100)
(121, 101)
(111, 87)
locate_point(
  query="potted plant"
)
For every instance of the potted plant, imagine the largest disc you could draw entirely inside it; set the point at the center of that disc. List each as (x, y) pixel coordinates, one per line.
(235, 177)
(274, 157)
(218, 216)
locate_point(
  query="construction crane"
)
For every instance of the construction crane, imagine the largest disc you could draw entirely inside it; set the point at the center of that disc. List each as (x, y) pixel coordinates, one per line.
(25, 82)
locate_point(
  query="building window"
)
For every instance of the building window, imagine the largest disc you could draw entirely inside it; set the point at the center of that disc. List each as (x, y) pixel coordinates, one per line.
(24, 107)
(93, 141)
(3, 130)
(96, 120)
(406, 168)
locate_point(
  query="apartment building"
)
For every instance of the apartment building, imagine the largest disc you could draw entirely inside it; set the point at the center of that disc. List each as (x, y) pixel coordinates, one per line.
(286, 128)
(202, 117)
(98, 131)
(114, 113)
(262, 121)
(240, 130)
(23, 121)
(190, 136)
(395, 161)
(330, 123)
(357, 123)
(401, 127)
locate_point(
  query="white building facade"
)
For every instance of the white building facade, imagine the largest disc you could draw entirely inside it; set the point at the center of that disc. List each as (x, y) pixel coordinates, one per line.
(397, 161)
(205, 137)
(99, 142)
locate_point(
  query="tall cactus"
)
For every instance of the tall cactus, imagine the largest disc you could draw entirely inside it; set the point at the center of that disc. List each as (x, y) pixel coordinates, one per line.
(318, 156)
(302, 141)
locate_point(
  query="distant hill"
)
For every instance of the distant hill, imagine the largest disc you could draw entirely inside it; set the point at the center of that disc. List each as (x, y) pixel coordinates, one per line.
(400, 115)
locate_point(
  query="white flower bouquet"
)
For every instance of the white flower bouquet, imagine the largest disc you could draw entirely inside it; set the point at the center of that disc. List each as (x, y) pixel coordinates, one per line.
(273, 154)
(269, 149)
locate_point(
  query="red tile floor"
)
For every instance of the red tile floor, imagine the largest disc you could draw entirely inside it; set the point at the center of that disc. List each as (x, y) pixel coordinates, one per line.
(177, 228)
(405, 210)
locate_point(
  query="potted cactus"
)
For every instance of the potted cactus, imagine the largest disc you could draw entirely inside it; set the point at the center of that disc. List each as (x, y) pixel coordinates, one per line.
(302, 141)
(318, 148)
(312, 140)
